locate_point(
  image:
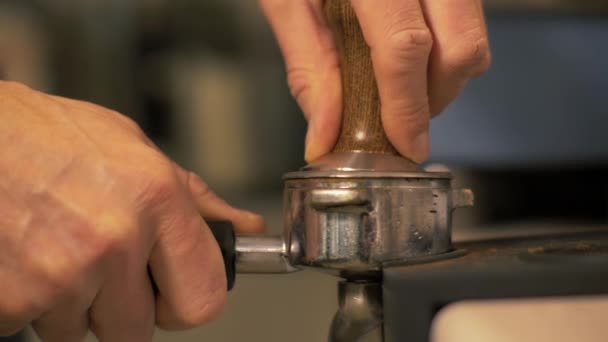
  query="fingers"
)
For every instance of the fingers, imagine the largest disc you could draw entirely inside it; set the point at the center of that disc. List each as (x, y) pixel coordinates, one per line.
(67, 322)
(213, 208)
(423, 52)
(312, 68)
(123, 310)
(400, 43)
(52, 301)
(185, 263)
(14, 315)
(460, 51)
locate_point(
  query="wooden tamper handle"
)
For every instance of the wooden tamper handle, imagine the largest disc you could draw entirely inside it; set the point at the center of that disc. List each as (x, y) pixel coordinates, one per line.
(362, 129)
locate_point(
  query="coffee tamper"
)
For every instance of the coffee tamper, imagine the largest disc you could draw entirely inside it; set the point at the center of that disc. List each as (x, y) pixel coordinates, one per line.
(358, 209)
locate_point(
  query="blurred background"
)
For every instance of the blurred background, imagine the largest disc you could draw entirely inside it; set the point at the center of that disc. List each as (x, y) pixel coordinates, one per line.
(205, 79)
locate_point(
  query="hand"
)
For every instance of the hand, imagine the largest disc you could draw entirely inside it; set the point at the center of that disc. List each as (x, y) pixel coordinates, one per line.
(423, 52)
(90, 211)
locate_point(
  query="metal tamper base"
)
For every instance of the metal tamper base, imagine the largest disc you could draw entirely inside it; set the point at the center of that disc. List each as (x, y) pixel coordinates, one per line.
(351, 212)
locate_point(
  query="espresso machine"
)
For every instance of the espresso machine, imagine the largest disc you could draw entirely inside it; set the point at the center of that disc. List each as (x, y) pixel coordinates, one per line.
(382, 225)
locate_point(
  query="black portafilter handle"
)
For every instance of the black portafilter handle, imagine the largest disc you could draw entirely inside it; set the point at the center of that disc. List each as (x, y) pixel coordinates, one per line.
(223, 231)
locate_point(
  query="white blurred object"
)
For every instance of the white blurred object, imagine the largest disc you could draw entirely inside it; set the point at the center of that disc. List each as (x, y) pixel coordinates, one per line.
(564, 319)
(436, 167)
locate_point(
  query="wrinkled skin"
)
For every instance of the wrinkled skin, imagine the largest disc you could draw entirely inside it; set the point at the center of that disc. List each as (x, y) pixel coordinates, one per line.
(423, 53)
(87, 206)
(92, 214)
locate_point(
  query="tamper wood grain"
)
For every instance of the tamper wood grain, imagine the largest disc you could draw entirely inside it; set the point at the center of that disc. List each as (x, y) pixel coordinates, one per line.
(362, 129)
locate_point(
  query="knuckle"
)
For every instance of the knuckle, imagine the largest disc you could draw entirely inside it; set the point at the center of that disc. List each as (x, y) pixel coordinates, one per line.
(130, 123)
(471, 56)
(14, 315)
(61, 268)
(112, 237)
(158, 183)
(298, 80)
(161, 187)
(408, 43)
(56, 276)
(197, 186)
(482, 58)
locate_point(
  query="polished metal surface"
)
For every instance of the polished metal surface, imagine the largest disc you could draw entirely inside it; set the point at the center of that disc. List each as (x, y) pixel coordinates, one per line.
(360, 315)
(352, 226)
(262, 254)
(360, 161)
(351, 237)
(363, 165)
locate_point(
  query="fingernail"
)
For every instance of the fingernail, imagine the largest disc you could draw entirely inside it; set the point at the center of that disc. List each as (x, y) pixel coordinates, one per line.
(311, 141)
(252, 216)
(420, 147)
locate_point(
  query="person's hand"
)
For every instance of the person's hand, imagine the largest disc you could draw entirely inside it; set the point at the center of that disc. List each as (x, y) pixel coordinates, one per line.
(98, 229)
(423, 52)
